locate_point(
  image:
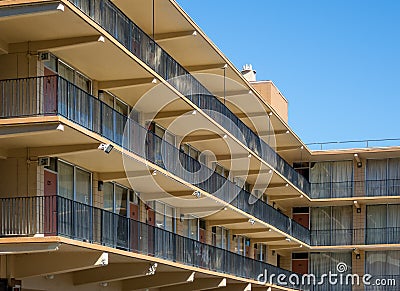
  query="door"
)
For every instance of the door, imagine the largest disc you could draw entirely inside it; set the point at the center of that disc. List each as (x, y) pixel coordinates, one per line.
(49, 92)
(151, 220)
(202, 233)
(134, 233)
(300, 266)
(50, 203)
(302, 218)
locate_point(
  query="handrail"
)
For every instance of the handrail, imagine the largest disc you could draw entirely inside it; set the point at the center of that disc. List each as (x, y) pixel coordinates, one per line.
(355, 236)
(54, 95)
(123, 29)
(58, 216)
(355, 188)
(366, 143)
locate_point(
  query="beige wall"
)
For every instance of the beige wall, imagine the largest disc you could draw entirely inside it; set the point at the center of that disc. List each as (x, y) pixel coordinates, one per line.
(273, 97)
(19, 176)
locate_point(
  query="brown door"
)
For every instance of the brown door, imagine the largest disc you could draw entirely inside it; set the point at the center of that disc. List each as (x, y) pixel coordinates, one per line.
(50, 203)
(300, 266)
(202, 233)
(151, 220)
(49, 92)
(134, 216)
(302, 218)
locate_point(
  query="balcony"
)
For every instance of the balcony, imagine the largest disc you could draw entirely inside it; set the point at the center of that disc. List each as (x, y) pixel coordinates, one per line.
(115, 22)
(361, 236)
(367, 188)
(53, 95)
(58, 216)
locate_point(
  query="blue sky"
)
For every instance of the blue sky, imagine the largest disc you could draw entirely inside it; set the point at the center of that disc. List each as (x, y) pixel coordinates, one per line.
(337, 62)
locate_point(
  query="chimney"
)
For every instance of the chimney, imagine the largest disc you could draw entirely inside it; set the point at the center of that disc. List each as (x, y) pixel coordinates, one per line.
(249, 73)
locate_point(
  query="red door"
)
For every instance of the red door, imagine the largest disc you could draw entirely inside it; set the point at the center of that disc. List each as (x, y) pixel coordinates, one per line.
(300, 266)
(134, 216)
(49, 92)
(202, 233)
(151, 220)
(302, 218)
(50, 203)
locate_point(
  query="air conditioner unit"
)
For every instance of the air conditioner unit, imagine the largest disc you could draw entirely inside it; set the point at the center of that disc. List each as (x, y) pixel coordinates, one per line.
(44, 56)
(44, 161)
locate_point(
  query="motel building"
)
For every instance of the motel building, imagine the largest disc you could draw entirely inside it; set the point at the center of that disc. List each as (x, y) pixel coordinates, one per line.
(135, 156)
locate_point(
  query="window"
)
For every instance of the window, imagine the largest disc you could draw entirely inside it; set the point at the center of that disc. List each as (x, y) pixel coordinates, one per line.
(69, 73)
(114, 102)
(221, 170)
(331, 225)
(323, 263)
(190, 151)
(383, 177)
(260, 252)
(116, 198)
(382, 264)
(191, 227)
(331, 179)
(165, 215)
(74, 183)
(220, 237)
(383, 224)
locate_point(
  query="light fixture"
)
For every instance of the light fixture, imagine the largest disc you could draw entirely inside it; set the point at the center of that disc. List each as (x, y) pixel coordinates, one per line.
(104, 284)
(194, 33)
(60, 7)
(100, 185)
(49, 277)
(249, 155)
(287, 131)
(197, 194)
(358, 206)
(287, 185)
(60, 127)
(301, 196)
(101, 39)
(358, 160)
(225, 66)
(302, 147)
(225, 208)
(270, 113)
(270, 229)
(288, 239)
(154, 173)
(194, 112)
(300, 246)
(270, 171)
(225, 136)
(107, 148)
(154, 81)
(252, 221)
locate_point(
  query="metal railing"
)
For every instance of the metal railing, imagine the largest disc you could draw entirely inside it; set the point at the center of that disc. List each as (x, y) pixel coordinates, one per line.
(360, 236)
(55, 95)
(367, 188)
(59, 216)
(367, 143)
(115, 22)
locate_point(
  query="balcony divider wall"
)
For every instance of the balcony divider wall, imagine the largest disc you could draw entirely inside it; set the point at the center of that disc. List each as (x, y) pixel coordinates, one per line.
(53, 95)
(123, 29)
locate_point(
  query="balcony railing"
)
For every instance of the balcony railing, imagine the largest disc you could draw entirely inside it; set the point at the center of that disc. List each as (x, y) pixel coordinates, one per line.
(53, 95)
(361, 236)
(367, 188)
(115, 22)
(58, 216)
